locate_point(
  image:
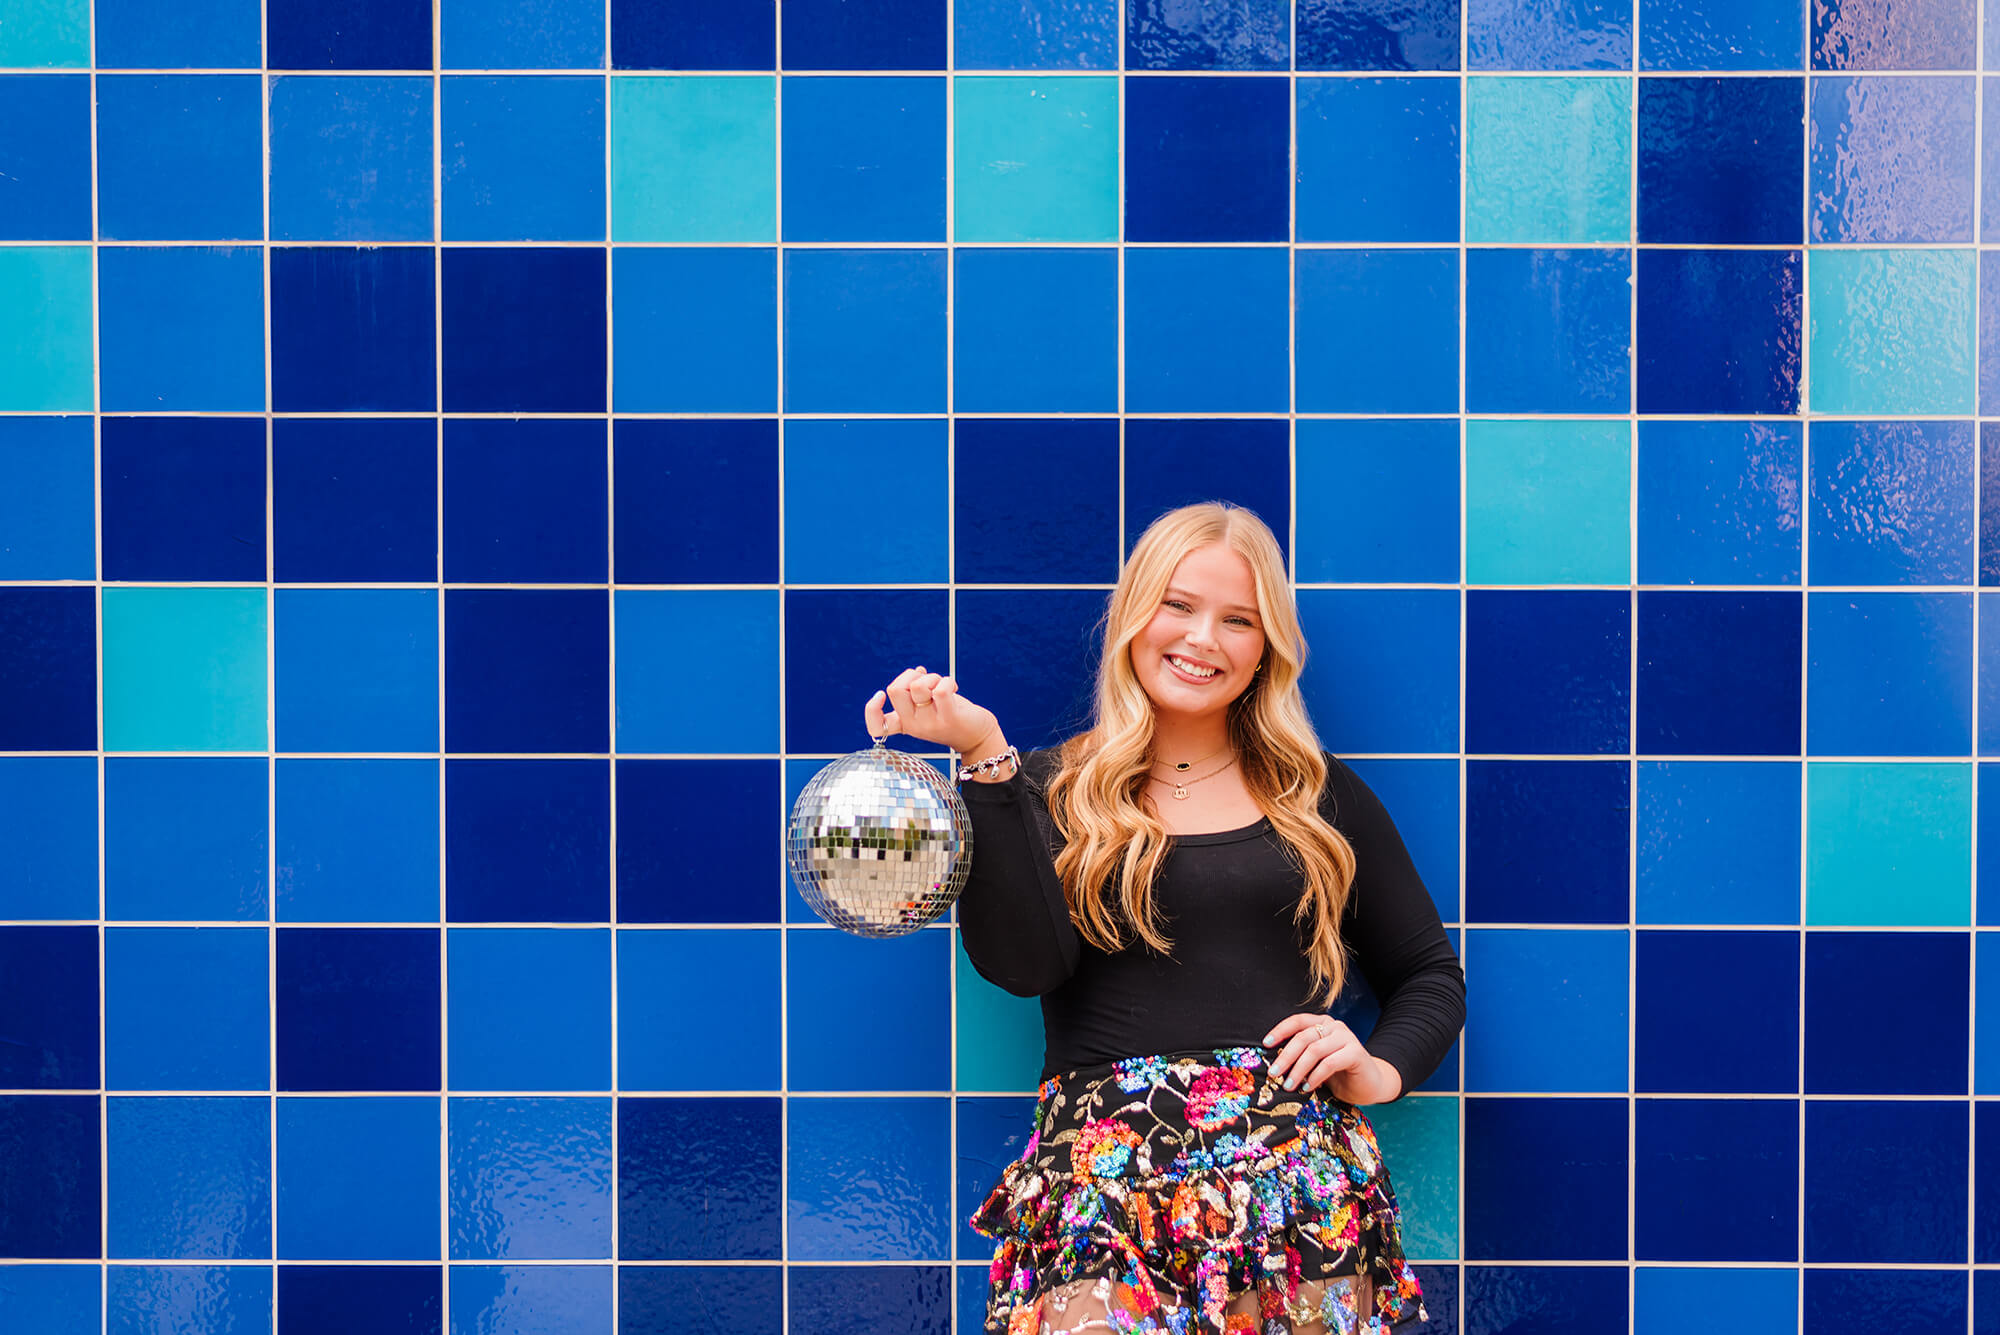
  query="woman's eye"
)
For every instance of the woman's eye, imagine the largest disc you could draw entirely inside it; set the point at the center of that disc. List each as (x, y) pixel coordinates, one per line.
(1177, 604)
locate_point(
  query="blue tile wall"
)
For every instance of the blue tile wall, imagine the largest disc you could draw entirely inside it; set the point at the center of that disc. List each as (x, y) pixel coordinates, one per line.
(463, 463)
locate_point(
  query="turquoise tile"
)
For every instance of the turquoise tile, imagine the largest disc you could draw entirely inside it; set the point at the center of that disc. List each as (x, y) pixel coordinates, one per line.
(45, 34)
(1548, 502)
(1888, 845)
(184, 669)
(694, 159)
(1419, 1138)
(46, 318)
(1036, 159)
(999, 1034)
(671, 700)
(1892, 331)
(1548, 160)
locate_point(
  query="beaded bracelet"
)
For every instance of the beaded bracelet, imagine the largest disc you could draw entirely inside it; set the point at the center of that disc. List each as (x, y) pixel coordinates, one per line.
(992, 764)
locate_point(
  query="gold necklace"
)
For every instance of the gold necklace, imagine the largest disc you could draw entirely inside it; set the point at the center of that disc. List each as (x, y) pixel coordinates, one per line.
(1180, 787)
(1183, 766)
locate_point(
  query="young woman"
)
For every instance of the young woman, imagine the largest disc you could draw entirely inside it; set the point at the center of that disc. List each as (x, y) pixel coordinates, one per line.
(1183, 885)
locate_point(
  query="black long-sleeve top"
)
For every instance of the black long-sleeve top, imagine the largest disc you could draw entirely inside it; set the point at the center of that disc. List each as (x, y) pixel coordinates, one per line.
(1238, 963)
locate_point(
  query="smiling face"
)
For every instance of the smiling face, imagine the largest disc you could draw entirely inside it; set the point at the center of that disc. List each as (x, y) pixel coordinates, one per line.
(1202, 646)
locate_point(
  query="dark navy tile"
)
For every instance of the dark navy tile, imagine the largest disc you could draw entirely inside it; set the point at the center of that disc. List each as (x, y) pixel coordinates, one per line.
(1985, 1301)
(1890, 674)
(524, 502)
(1864, 1205)
(694, 35)
(353, 329)
(1749, 35)
(698, 1179)
(1033, 654)
(1163, 35)
(1919, 35)
(48, 669)
(861, 1300)
(1881, 1302)
(48, 992)
(863, 159)
(864, 34)
(1378, 159)
(348, 34)
(1987, 869)
(524, 330)
(182, 498)
(1717, 1180)
(1548, 331)
(354, 499)
(358, 1008)
(1383, 672)
(1719, 502)
(1986, 1183)
(147, 1299)
(1523, 35)
(1719, 673)
(1376, 331)
(179, 156)
(1035, 331)
(699, 840)
(527, 670)
(1546, 672)
(187, 1008)
(1721, 161)
(1378, 34)
(49, 1174)
(1207, 159)
(1844, 1020)
(992, 1132)
(1719, 331)
(1892, 502)
(841, 647)
(188, 1178)
(868, 1179)
(1012, 526)
(202, 34)
(663, 1300)
(1748, 1039)
(336, 1300)
(186, 837)
(527, 840)
(1423, 794)
(1576, 1211)
(1179, 461)
(1546, 841)
(1544, 1300)
(865, 331)
(1035, 34)
(696, 502)
(45, 156)
(561, 1208)
(1893, 159)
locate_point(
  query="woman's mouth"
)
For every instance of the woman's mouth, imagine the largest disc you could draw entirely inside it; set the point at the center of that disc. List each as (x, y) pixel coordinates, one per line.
(1191, 671)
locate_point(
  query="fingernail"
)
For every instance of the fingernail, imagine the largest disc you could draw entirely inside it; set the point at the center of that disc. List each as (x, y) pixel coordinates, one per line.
(1291, 1082)
(1267, 1040)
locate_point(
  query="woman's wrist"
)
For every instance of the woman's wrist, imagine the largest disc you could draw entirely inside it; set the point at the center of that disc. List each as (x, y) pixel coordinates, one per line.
(992, 744)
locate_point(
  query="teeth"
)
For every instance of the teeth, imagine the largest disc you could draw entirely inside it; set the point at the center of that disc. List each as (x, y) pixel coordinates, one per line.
(1190, 668)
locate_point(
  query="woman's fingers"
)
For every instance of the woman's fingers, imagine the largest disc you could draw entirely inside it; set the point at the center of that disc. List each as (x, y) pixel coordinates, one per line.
(873, 719)
(1347, 1054)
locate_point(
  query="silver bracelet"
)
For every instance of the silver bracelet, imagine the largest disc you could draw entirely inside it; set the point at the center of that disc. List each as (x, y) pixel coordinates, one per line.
(992, 764)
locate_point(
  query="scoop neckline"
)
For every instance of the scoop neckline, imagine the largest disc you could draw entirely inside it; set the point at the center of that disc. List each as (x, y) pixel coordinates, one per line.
(1237, 835)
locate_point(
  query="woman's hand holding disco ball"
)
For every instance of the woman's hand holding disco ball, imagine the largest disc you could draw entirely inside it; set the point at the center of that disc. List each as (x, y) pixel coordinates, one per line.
(928, 707)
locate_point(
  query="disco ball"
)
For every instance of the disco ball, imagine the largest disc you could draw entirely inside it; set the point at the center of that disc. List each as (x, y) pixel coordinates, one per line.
(879, 843)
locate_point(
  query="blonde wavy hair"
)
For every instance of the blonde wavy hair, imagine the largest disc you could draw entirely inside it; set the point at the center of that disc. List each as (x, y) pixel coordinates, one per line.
(1115, 844)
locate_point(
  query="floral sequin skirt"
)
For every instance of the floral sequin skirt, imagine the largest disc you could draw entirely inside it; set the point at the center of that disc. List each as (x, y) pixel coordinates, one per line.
(1182, 1181)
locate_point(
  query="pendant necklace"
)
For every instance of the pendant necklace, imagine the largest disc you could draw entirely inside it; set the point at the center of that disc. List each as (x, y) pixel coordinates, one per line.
(1181, 786)
(1183, 766)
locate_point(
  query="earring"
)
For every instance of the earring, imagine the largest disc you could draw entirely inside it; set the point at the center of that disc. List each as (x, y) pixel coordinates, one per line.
(1258, 668)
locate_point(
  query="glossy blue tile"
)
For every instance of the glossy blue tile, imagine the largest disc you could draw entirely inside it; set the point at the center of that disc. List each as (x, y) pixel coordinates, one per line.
(1989, 332)
(992, 1132)
(1920, 35)
(1543, 1300)
(45, 157)
(1033, 653)
(526, 669)
(1546, 841)
(48, 507)
(721, 702)
(896, 1005)
(693, 35)
(1206, 329)
(843, 646)
(1748, 1038)
(1719, 331)
(1892, 502)
(350, 156)
(864, 34)
(1377, 501)
(1989, 674)
(179, 156)
(524, 502)
(202, 34)
(1523, 35)
(188, 1179)
(1577, 1210)
(182, 328)
(1863, 1205)
(661, 1300)
(530, 1179)
(48, 669)
(1378, 159)
(1376, 331)
(532, 1300)
(354, 499)
(353, 329)
(1160, 35)
(1734, 1198)
(855, 1300)
(1988, 869)
(1548, 331)
(1546, 672)
(1890, 674)
(48, 992)
(187, 1008)
(53, 1299)
(694, 502)
(357, 1008)
(1012, 526)
(1718, 842)
(528, 1008)
(1396, 650)
(670, 987)
(1721, 161)
(1547, 1014)
(49, 1161)
(1035, 331)
(1035, 34)
(699, 840)
(1173, 462)
(524, 330)
(1744, 1299)
(186, 838)
(699, 1179)
(1892, 159)
(183, 497)
(869, 1180)
(329, 1300)
(1719, 502)
(863, 159)
(1880, 1302)
(1423, 794)
(833, 471)
(1206, 159)
(1378, 34)
(358, 1180)
(1985, 1184)
(1934, 969)
(865, 331)
(522, 158)
(50, 843)
(694, 330)
(187, 1300)
(1719, 673)
(1752, 35)
(1989, 192)
(348, 34)
(522, 34)
(357, 840)
(356, 669)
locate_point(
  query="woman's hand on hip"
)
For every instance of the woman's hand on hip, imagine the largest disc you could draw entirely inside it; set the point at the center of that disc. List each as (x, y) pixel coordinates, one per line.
(927, 706)
(1319, 1052)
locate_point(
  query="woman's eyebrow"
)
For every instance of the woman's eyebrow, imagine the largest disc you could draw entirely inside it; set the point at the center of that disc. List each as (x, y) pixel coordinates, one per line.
(1231, 607)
